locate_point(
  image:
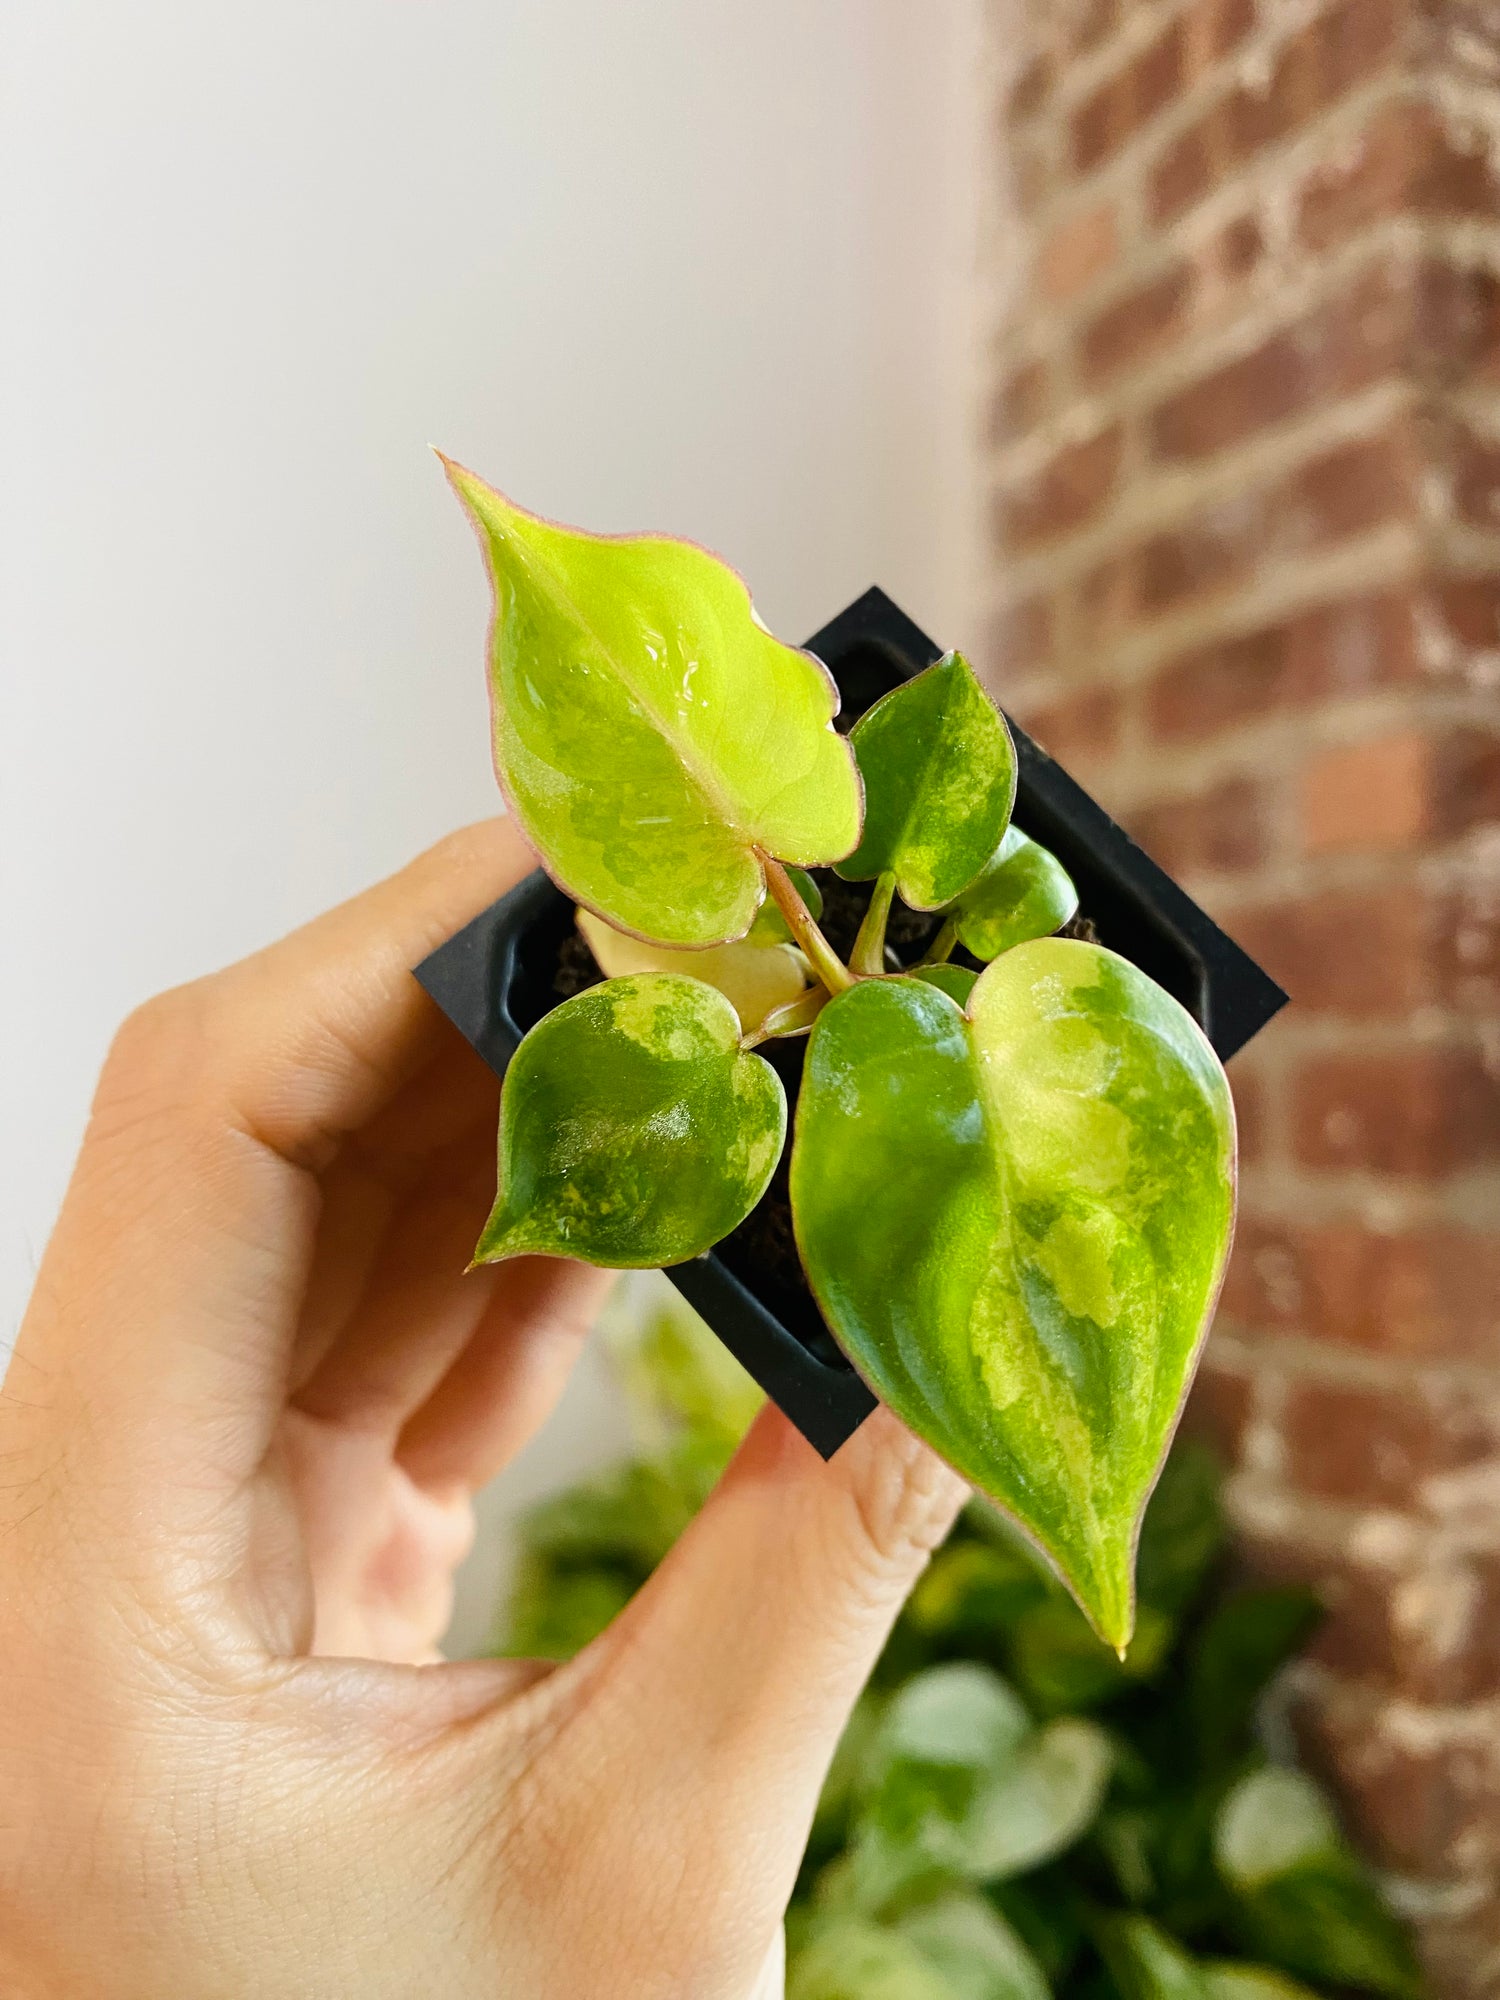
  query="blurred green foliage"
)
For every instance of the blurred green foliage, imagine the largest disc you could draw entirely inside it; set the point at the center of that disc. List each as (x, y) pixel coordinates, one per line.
(1013, 1812)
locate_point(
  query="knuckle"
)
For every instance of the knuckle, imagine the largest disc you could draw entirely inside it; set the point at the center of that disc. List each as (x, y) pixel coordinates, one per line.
(903, 1497)
(157, 1054)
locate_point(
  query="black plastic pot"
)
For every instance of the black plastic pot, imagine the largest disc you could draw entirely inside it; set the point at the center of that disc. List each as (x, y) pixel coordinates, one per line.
(499, 975)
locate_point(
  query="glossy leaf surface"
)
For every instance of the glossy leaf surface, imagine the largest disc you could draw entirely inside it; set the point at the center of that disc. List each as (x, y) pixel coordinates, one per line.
(1016, 1221)
(957, 981)
(649, 732)
(939, 770)
(633, 1130)
(1024, 892)
(754, 978)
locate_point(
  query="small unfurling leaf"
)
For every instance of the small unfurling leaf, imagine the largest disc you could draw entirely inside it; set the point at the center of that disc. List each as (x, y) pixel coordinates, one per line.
(939, 771)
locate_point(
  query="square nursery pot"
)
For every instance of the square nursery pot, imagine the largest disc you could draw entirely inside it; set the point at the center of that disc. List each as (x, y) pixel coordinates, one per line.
(523, 956)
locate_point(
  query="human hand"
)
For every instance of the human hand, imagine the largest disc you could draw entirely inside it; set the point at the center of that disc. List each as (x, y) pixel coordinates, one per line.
(249, 1407)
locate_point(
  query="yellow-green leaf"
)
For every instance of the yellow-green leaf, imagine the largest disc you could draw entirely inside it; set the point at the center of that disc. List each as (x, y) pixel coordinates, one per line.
(650, 733)
(1024, 892)
(754, 978)
(1015, 1220)
(634, 1131)
(939, 771)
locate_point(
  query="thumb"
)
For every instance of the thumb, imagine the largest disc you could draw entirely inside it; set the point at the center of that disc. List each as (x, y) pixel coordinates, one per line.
(741, 1658)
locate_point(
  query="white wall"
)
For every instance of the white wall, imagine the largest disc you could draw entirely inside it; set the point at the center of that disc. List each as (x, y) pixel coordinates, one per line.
(681, 264)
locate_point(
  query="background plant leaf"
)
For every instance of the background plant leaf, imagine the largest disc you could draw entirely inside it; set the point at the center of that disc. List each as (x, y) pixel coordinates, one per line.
(977, 1952)
(1241, 1647)
(649, 732)
(1150, 1847)
(1302, 1898)
(1146, 1964)
(939, 772)
(634, 1131)
(1029, 1287)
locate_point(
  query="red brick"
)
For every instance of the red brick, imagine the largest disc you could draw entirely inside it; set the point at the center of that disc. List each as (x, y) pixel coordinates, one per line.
(1312, 655)
(1238, 248)
(1187, 168)
(1220, 1408)
(1256, 116)
(1021, 636)
(1105, 602)
(1079, 727)
(1405, 163)
(1373, 1447)
(1413, 1111)
(1021, 401)
(1032, 87)
(1215, 28)
(1406, 1803)
(1391, 792)
(1249, 1112)
(1375, 794)
(1101, 124)
(1362, 953)
(1416, 1295)
(1216, 547)
(1078, 250)
(1474, 460)
(1468, 607)
(1429, 1636)
(1033, 175)
(1468, 949)
(1265, 1287)
(1129, 99)
(1456, 324)
(1350, 489)
(1140, 324)
(1342, 346)
(1092, 24)
(1222, 830)
(1355, 40)
(1157, 74)
(1074, 486)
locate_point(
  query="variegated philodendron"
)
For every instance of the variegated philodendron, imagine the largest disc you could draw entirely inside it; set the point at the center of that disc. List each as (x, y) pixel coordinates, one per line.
(1012, 1187)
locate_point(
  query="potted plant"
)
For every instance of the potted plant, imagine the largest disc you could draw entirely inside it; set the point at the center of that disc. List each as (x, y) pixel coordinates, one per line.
(1011, 1172)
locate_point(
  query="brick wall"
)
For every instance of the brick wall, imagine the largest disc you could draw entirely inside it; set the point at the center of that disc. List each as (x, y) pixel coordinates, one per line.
(1245, 479)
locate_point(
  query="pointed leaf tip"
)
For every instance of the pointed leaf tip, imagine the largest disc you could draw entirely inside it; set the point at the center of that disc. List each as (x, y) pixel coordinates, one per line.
(1030, 1292)
(650, 733)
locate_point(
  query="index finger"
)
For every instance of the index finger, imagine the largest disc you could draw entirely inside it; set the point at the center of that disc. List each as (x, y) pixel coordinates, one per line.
(171, 1287)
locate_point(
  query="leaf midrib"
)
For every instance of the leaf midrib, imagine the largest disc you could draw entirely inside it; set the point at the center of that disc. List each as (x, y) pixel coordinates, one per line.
(533, 561)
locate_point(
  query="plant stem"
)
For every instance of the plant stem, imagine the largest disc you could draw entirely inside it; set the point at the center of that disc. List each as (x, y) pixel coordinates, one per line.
(943, 943)
(821, 955)
(867, 959)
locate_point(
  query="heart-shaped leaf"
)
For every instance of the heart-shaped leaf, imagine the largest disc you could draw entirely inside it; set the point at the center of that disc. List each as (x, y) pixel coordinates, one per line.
(634, 1131)
(1024, 892)
(1015, 1220)
(649, 731)
(975, 1949)
(754, 978)
(940, 779)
